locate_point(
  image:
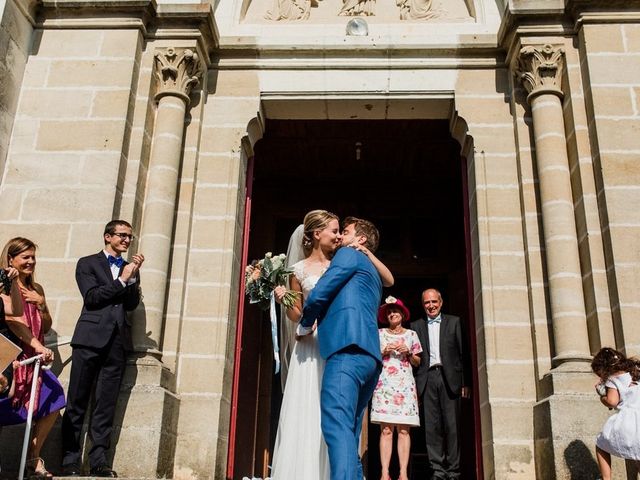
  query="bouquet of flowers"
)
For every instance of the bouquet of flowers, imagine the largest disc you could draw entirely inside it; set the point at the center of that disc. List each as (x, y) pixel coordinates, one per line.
(262, 276)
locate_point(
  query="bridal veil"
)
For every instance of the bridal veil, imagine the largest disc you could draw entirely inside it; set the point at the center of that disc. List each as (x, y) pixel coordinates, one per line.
(295, 253)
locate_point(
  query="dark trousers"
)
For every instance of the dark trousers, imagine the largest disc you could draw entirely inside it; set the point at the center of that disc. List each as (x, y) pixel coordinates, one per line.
(442, 426)
(104, 366)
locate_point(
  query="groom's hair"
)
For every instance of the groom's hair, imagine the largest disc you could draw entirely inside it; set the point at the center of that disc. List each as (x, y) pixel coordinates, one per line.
(366, 228)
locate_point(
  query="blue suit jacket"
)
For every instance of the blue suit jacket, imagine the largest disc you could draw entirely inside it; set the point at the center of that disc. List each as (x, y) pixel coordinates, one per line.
(345, 302)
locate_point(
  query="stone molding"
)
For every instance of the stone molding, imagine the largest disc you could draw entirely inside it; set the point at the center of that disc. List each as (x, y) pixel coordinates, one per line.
(529, 18)
(28, 8)
(540, 69)
(193, 22)
(177, 71)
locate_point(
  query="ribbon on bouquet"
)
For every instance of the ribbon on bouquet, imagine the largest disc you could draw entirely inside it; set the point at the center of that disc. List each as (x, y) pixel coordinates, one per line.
(274, 331)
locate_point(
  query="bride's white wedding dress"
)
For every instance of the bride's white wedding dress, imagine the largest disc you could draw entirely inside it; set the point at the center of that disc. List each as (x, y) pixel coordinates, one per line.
(300, 452)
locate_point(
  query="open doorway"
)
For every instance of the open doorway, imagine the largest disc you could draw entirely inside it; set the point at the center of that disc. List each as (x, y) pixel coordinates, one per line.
(407, 176)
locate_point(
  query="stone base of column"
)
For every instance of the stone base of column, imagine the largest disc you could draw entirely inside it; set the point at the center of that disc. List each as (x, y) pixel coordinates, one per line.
(144, 436)
(145, 427)
(566, 422)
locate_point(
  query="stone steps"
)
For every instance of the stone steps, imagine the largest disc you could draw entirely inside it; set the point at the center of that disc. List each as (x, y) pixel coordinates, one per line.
(55, 477)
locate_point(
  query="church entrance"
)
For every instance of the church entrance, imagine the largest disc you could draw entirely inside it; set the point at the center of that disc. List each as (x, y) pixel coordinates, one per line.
(408, 177)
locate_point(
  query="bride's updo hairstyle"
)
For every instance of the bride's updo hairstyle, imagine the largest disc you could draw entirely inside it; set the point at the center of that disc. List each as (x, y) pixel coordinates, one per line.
(315, 220)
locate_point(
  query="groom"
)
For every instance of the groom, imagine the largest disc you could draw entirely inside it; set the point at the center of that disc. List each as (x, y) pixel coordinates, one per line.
(345, 302)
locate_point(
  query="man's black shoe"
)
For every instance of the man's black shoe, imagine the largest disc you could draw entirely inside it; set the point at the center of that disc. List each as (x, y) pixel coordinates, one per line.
(103, 471)
(71, 470)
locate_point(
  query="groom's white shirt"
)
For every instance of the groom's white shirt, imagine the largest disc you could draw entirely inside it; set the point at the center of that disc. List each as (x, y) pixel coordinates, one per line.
(302, 331)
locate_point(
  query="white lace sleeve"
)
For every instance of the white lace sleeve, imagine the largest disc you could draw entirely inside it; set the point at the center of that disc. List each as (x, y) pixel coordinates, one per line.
(298, 271)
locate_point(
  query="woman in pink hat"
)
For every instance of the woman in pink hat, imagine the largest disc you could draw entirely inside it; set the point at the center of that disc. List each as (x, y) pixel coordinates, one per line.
(395, 399)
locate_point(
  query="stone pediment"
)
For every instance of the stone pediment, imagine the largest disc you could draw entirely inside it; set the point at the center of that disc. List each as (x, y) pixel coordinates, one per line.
(376, 11)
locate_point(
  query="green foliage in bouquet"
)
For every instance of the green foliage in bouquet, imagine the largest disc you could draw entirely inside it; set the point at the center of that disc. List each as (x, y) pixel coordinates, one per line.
(262, 276)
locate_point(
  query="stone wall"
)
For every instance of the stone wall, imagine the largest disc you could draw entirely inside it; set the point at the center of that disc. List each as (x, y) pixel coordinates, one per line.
(66, 163)
(506, 365)
(15, 41)
(211, 274)
(79, 129)
(72, 128)
(585, 193)
(610, 63)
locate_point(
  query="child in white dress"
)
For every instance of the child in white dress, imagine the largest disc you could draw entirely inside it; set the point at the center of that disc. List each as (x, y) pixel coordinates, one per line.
(618, 388)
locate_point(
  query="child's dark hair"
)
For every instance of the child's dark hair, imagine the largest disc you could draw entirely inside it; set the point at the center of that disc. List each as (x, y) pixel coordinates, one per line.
(609, 361)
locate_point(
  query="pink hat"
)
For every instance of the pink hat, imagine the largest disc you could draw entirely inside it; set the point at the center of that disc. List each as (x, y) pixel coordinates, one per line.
(392, 302)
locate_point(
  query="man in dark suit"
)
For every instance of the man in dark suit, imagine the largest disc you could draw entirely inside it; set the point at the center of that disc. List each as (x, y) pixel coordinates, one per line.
(110, 288)
(441, 381)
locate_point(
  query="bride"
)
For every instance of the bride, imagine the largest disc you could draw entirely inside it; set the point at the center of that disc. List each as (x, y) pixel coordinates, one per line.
(300, 451)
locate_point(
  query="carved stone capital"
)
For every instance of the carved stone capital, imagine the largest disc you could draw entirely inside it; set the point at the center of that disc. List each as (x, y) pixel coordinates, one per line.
(540, 69)
(177, 71)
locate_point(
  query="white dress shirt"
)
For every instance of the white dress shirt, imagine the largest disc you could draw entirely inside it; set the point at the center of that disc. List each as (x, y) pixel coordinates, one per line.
(115, 272)
(302, 331)
(434, 341)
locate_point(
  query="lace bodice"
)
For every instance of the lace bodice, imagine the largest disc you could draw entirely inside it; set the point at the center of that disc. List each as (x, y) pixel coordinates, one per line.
(307, 279)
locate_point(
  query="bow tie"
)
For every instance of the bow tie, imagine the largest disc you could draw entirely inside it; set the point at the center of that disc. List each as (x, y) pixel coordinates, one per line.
(433, 320)
(117, 261)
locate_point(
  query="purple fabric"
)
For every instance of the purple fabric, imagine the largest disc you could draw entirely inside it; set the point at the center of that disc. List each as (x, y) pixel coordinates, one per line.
(51, 400)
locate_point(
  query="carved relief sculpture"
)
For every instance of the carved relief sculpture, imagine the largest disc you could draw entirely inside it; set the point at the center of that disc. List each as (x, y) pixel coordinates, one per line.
(177, 71)
(289, 10)
(540, 69)
(300, 10)
(358, 7)
(416, 9)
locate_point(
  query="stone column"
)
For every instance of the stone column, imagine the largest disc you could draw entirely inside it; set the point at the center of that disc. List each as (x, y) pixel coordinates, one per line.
(540, 69)
(177, 71)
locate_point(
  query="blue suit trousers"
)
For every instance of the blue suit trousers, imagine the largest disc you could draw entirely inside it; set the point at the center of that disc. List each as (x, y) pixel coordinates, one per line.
(350, 376)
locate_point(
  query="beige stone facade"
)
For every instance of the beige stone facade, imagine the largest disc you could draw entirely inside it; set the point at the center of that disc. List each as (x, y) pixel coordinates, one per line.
(154, 111)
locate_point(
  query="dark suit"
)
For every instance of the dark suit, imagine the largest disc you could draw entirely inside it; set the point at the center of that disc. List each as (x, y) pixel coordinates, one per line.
(100, 340)
(440, 389)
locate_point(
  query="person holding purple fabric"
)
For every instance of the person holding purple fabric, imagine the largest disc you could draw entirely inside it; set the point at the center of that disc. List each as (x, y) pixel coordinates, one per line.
(29, 329)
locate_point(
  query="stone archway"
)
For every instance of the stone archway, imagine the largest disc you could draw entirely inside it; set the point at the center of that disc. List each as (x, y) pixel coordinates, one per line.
(287, 218)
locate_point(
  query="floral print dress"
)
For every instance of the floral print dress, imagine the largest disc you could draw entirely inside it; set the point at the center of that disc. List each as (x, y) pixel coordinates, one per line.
(395, 399)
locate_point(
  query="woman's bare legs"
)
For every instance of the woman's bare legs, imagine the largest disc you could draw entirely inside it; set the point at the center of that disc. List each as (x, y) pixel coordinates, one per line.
(41, 429)
(386, 446)
(404, 448)
(604, 463)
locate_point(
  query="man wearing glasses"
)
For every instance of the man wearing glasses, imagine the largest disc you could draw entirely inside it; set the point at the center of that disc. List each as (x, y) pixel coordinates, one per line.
(110, 287)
